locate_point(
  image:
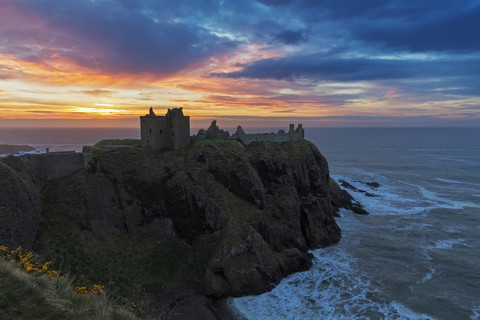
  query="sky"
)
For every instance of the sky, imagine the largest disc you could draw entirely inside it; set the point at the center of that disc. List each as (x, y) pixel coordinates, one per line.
(259, 63)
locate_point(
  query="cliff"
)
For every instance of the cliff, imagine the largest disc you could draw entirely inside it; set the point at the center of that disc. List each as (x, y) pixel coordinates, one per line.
(20, 204)
(216, 218)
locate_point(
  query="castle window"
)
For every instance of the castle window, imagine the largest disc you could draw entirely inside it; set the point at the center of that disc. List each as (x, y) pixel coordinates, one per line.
(161, 131)
(172, 134)
(150, 130)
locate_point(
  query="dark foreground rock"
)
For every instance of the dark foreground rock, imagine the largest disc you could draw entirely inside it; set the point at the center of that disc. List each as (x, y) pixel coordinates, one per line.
(216, 219)
(20, 204)
(184, 304)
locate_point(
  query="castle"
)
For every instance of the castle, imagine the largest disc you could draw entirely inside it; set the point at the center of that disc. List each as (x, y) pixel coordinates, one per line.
(171, 131)
(215, 133)
(293, 134)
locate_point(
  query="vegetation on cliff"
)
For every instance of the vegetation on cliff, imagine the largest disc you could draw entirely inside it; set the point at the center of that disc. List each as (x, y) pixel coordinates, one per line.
(100, 145)
(33, 290)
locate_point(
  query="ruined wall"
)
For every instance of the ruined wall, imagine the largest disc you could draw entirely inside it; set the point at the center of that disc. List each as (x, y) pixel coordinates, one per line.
(153, 132)
(279, 137)
(180, 132)
(55, 165)
(171, 131)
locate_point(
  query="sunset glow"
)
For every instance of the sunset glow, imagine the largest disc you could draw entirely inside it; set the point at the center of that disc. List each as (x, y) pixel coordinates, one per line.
(255, 62)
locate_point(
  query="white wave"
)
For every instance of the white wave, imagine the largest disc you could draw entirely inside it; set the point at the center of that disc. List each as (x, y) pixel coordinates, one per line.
(458, 182)
(446, 203)
(448, 244)
(331, 289)
(407, 314)
(463, 161)
(391, 198)
(428, 276)
(476, 313)
(29, 152)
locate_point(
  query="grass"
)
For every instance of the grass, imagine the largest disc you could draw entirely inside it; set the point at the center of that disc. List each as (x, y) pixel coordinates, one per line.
(29, 296)
(99, 146)
(118, 263)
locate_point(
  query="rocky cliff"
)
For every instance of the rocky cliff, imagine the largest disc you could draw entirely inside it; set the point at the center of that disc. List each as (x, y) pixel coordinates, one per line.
(218, 218)
(19, 203)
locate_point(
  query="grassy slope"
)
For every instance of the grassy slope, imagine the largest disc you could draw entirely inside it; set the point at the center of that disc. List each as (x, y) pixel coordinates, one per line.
(114, 260)
(31, 296)
(110, 142)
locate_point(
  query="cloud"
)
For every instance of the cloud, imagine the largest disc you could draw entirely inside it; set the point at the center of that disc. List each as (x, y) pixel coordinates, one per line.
(415, 26)
(98, 92)
(112, 36)
(321, 67)
(452, 32)
(291, 36)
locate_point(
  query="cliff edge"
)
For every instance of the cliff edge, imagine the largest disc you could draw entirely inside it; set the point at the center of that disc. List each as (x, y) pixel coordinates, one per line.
(216, 218)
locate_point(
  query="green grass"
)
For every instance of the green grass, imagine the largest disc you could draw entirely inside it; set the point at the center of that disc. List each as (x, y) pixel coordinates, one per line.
(117, 262)
(98, 147)
(32, 296)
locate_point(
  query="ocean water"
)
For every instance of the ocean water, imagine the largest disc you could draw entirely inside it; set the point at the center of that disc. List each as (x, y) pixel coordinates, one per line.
(63, 139)
(416, 256)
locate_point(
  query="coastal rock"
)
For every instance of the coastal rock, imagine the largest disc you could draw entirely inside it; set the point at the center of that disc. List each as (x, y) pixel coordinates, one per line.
(342, 199)
(19, 203)
(218, 217)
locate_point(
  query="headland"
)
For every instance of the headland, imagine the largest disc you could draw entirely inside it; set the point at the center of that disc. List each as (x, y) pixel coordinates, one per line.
(173, 227)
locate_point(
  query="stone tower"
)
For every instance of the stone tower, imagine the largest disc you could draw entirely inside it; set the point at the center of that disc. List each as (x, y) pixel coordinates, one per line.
(171, 131)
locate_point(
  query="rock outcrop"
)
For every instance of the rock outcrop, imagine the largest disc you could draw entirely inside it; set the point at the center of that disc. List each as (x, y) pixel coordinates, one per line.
(20, 205)
(218, 217)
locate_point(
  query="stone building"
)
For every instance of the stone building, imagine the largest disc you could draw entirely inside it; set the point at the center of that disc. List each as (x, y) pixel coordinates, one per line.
(171, 131)
(293, 134)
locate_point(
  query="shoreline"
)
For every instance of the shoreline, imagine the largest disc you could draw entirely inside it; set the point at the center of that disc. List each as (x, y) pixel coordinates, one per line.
(224, 310)
(188, 305)
(15, 149)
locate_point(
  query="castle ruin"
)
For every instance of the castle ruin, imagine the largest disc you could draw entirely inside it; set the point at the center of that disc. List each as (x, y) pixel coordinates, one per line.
(215, 133)
(293, 134)
(171, 131)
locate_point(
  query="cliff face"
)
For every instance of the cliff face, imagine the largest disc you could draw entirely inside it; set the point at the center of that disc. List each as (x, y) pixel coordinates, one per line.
(217, 217)
(19, 203)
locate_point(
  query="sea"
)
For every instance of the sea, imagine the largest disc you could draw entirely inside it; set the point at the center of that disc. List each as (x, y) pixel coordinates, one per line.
(415, 256)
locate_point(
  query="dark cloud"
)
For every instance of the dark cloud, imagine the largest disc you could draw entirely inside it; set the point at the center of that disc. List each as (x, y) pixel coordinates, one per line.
(164, 37)
(317, 66)
(120, 36)
(452, 32)
(416, 26)
(291, 36)
(276, 2)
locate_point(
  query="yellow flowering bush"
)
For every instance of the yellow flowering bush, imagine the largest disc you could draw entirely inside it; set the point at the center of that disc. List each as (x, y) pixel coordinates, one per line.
(95, 289)
(133, 306)
(27, 260)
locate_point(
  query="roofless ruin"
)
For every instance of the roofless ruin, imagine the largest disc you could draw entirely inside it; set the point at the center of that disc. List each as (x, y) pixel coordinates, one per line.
(172, 131)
